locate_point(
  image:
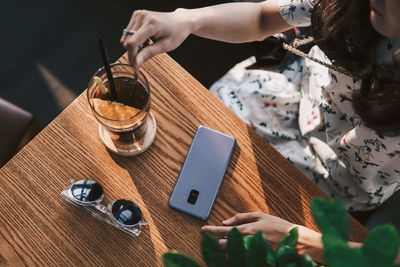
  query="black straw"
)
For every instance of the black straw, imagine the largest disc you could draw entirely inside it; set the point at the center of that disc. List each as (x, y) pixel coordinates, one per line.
(104, 55)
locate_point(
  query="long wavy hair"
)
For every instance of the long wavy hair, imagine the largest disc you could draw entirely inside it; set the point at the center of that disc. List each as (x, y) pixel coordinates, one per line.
(342, 29)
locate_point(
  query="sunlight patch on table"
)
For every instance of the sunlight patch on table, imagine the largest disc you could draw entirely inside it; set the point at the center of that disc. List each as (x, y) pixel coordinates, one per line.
(158, 242)
(62, 94)
(256, 179)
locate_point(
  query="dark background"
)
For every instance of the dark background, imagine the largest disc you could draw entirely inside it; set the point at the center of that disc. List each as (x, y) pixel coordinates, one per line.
(49, 48)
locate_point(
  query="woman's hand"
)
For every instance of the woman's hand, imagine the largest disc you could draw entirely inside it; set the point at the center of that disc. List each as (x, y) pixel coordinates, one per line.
(274, 228)
(230, 22)
(168, 30)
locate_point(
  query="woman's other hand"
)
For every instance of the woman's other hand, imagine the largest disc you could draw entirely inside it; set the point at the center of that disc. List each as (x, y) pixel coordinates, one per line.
(274, 228)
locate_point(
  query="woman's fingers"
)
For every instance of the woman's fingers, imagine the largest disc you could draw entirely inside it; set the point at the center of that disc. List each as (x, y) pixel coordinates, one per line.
(147, 52)
(222, 242)
(133, 24)
(141, 35)
(136, 27)
(243, 221)
(221, 231)
(168, 30)
(135, 41)
(150, 51)
(242, 218)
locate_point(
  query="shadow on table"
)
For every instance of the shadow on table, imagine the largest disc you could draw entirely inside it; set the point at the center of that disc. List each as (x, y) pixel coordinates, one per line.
(288, 196)
(155, 198)
(117, 241)
(228, 201)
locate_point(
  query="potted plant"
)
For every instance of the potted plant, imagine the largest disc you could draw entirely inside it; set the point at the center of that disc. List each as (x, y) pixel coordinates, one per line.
(380, 248)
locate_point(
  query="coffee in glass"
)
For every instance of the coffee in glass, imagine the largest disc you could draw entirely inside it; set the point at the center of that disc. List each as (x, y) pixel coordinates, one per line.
(127, 127)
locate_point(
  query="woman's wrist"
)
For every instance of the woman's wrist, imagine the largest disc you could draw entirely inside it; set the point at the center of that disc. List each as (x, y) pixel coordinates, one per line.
(310, 242)
(189, 18)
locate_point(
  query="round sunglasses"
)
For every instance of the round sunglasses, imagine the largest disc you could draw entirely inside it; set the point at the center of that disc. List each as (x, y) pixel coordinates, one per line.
(88, 195)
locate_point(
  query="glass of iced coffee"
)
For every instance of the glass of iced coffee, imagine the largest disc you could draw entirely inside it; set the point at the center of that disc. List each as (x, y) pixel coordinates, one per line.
(127, 127)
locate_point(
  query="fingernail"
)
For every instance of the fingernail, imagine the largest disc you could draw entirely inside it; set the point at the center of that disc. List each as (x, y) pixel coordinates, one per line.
(226, 221)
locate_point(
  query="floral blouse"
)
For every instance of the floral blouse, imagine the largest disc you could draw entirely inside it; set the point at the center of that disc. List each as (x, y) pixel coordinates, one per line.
(304, 111)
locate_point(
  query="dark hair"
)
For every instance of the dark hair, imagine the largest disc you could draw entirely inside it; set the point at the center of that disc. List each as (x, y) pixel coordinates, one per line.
(342, 29)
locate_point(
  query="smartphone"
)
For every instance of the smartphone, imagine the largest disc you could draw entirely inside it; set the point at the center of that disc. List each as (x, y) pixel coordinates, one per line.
(202, 172)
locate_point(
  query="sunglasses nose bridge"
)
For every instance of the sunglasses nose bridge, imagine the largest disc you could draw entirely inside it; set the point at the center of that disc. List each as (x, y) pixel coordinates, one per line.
(101, 208)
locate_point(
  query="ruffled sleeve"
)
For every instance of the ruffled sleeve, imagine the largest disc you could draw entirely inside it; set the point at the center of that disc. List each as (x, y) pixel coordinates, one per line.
(297, 12)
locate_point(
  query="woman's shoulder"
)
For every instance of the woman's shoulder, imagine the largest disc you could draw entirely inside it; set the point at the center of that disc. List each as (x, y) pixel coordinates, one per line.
(297, 12)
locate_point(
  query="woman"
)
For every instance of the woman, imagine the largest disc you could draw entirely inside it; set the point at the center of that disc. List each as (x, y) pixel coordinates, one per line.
(340, 130)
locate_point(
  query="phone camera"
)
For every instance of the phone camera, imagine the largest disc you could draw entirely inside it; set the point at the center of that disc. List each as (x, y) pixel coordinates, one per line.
(193, 196)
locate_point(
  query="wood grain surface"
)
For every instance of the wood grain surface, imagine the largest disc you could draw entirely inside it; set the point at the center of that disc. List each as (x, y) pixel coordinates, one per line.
(37, 227)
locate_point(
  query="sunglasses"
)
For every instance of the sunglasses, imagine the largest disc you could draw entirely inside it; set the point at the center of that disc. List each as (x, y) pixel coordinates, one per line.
(122, 214)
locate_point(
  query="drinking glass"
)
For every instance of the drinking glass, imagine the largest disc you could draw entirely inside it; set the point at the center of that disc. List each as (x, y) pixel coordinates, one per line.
(126, 125)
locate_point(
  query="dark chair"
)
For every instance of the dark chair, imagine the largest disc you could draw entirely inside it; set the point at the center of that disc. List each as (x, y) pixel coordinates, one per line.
(387, 213)
(17, 128)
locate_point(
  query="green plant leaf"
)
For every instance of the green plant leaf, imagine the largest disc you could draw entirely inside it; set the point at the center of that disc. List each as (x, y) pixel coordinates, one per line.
(331, 241)
(306, 261)
(381, 246)
(331, 217)
(337, 252)
(343, 256)
(271, 260)
(174, 259)
(286, 253)
(257, 250)
(212, 252)
(236, 250)
(332, 244)
(270, 254)
(290, 239)
(246, 241)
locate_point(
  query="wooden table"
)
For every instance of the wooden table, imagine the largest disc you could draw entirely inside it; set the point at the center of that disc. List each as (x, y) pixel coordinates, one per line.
(38, 227)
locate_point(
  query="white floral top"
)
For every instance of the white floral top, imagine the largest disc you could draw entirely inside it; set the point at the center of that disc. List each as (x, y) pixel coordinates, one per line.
(304, 112)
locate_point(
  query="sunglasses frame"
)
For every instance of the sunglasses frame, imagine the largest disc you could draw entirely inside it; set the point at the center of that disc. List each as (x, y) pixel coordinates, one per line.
(101, 212)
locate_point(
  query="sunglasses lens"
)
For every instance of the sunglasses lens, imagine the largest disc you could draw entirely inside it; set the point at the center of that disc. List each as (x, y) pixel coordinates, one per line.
(87, 190)
(126, 212)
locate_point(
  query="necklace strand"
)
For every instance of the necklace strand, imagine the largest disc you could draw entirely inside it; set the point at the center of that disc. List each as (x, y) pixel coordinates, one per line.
(298, 42)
